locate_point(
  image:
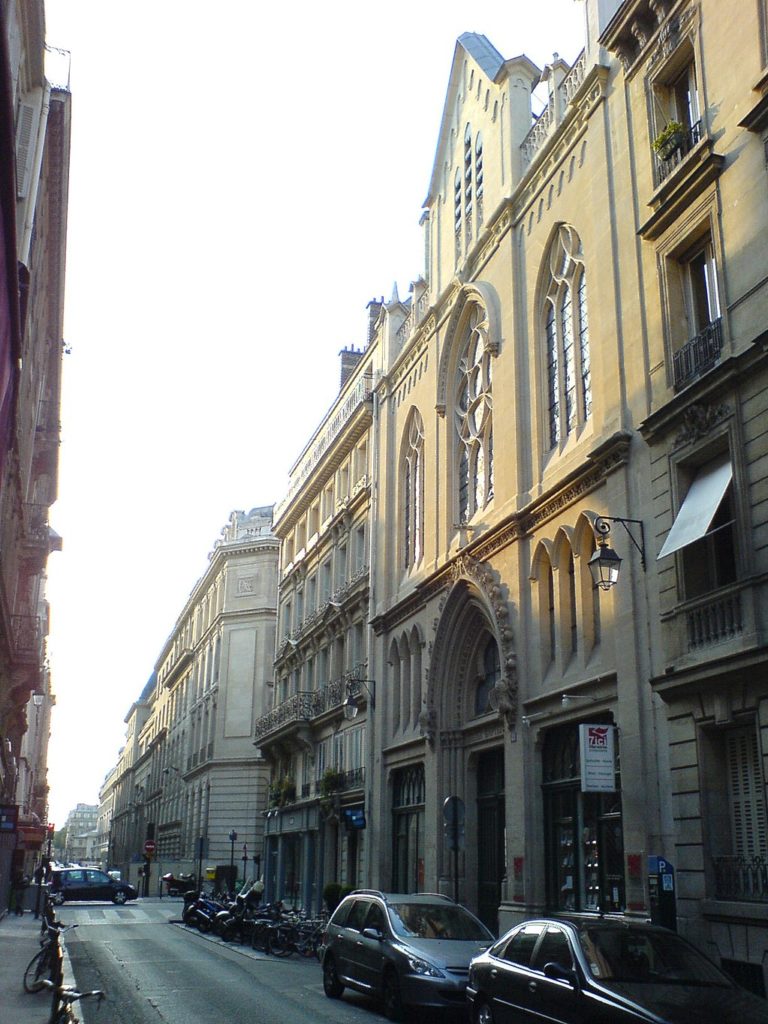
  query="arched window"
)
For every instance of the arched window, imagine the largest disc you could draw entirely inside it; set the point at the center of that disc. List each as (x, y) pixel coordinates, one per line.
(566, 329)
(474, 419)
(490, 675)
(413, 492)
(479, 178)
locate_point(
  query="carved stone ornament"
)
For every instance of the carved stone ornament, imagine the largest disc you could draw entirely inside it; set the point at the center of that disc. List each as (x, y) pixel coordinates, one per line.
(503, 698)
(699, 420)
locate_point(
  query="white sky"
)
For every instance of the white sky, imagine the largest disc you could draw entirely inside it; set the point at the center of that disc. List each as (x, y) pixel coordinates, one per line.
(244, 179)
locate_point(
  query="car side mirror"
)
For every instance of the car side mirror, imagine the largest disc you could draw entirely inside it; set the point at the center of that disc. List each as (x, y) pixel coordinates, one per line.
(560, 973)
(372, 933)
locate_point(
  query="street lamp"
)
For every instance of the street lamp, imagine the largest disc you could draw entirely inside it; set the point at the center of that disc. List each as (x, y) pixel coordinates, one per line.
(605, 564)
(352, 702)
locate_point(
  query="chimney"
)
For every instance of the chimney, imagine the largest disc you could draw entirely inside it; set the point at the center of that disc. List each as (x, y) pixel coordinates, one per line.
(374, 308)
(350, 357)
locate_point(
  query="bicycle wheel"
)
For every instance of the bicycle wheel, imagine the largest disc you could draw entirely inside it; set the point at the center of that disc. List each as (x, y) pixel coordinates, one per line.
(281, 941)
(38, 970)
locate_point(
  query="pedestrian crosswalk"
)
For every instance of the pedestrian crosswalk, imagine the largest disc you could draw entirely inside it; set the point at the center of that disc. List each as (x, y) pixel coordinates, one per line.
(85, 914)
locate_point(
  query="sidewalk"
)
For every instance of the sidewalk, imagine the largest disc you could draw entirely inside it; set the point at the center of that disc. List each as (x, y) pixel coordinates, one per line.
(19, 941)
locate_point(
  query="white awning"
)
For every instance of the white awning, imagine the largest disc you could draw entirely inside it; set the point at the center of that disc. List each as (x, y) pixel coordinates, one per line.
(699, 505)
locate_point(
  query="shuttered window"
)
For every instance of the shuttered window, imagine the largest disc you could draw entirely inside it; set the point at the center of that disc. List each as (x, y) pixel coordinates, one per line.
(747, 799)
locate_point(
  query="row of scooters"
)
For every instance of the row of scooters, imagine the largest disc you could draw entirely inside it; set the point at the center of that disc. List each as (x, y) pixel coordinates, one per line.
(266, 927)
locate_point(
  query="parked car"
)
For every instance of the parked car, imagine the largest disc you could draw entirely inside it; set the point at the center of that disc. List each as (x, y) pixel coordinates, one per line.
(403, 950)
(88, 884)
(600, 971)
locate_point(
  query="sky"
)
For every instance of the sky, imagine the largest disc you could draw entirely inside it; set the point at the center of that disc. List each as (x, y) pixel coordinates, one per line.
(244, 179)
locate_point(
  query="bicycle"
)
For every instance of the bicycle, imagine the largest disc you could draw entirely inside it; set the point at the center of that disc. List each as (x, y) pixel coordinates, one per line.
(64, 997)
(44, 963)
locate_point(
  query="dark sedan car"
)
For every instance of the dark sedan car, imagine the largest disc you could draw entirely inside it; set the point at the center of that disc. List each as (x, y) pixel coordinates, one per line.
(603, 972)
(88, 884)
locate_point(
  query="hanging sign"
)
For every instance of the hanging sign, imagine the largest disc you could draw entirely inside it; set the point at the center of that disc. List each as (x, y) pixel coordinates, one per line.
(598, 772)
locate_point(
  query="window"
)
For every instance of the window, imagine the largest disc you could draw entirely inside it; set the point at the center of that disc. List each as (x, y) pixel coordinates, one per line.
(703, 529)
(413, 491)
(566, 329)
(489, 676)
(675, 96)
(697, 295)
(474, 418)
(553, 949)
(584, 843)
(520, 947)
(479, 178)
(408, 829)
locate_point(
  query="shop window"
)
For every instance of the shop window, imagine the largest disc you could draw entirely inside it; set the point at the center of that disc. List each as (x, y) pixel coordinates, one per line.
(584, 835)
(408, 793)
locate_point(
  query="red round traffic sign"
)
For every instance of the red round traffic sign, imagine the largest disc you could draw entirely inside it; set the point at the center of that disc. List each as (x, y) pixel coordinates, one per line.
(149, 847)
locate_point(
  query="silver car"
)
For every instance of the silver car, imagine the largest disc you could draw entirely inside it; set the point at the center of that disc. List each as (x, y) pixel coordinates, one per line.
(404, 950)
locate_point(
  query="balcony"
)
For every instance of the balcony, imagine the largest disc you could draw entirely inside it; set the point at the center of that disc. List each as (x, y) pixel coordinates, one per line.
(307, 705)
(698, 355)
(741, 878)
(714, 622)
(27, 639)
(666, 164)
(346, 781)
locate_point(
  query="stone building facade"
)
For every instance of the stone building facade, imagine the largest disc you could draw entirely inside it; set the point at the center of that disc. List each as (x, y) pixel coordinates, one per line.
(35, 108)
(189, 774)
(581, 366)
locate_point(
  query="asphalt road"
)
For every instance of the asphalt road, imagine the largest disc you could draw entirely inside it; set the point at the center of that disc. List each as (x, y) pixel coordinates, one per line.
(157, 972)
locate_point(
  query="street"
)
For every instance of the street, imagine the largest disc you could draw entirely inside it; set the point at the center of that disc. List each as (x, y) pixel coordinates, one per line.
(157, 972)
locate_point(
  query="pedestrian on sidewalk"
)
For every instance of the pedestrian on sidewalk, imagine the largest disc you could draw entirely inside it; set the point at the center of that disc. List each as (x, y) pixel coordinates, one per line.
(20, 883)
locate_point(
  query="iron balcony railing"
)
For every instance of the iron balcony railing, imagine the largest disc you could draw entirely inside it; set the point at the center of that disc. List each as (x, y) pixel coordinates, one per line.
(306, 705)
(352, 779)
(741, 878)
(698, 355)
(665, 165)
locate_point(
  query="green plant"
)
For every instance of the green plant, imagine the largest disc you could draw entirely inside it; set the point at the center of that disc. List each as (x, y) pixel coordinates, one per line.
(282, 791)
(331, 781)
(332, 896)
(669, 136)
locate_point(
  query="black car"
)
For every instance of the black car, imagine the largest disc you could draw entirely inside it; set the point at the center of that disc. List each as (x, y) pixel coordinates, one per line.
(603, 972)
(88, 884)
(405, 950)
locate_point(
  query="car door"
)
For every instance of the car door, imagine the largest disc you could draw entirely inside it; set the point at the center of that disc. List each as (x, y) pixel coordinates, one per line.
(99, 885)
(556, 999)
(347, 947)
(73, 884)
(512, 999)
(371, 951)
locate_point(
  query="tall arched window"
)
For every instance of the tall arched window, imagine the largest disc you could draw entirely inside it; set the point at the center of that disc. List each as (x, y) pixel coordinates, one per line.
(413, 491)
(474, 419)
(566, 329)
(490, 673)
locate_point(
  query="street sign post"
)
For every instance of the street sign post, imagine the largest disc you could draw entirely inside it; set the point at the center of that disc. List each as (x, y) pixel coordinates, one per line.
(149, 848)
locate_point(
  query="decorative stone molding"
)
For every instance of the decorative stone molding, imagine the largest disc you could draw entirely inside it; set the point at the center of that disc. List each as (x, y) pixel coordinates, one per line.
(700, 420)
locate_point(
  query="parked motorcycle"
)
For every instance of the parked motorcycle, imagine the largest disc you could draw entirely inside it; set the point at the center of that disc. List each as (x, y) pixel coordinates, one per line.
(177, 886)
(236, 922)
(200, 910)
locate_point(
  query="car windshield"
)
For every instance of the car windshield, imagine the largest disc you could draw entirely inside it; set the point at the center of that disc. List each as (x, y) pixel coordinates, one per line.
(441, 921)
(622, 954)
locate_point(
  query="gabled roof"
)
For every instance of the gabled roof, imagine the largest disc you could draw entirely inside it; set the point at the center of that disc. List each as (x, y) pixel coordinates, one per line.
(488, 59)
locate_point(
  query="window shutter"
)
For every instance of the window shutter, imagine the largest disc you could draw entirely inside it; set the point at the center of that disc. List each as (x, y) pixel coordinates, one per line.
(745, 781)
(26, 136)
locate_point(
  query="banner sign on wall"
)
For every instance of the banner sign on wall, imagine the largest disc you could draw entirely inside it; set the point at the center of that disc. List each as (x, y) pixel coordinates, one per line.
(598, 772)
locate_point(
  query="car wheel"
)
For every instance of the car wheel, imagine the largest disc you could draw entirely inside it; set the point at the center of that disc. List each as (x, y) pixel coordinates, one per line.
(58, 898)
(119, 897)
(483, 1013)
(390, 996)
(331, 984)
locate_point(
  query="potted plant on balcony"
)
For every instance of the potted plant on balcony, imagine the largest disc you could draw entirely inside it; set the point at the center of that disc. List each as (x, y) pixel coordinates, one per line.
(287, 788)
(669, 140)
(331, 781)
